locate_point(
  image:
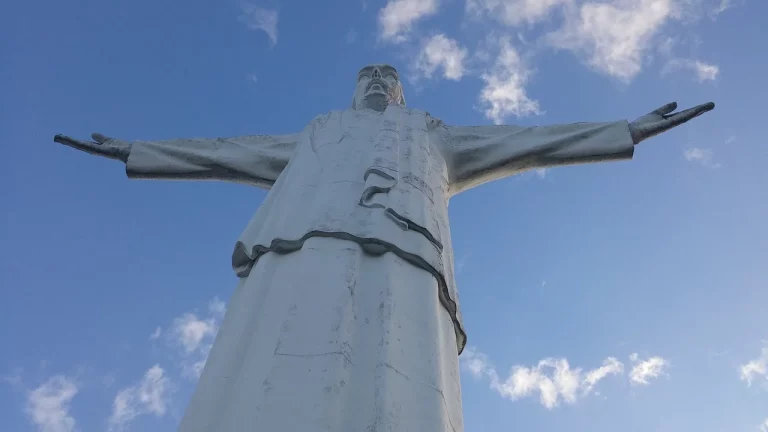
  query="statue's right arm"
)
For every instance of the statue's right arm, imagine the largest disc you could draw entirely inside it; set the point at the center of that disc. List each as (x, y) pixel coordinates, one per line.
(256, 160)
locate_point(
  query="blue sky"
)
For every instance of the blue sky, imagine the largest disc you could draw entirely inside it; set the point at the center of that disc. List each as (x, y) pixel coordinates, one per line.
(626, 296)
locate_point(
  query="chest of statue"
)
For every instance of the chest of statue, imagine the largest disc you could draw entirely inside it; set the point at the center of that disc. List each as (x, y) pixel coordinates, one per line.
(347, 144)
(368, 175)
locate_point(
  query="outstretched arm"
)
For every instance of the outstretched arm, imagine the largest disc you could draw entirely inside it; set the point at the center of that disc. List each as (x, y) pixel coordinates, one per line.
(479, 154)
(257, 160)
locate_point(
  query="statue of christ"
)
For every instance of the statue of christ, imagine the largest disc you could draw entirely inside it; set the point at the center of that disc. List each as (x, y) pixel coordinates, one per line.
(346, 316)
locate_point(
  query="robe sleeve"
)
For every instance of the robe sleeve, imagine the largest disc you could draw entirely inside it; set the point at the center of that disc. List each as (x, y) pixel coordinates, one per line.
(480, 154)
(256, 160)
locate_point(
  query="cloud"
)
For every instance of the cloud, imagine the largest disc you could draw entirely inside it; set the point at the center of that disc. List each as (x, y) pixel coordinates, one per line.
(703, 71)
(756, 368)
(612, 37)
(48, 405)
(194, 336)
(643, 370)
(706, 72)
(151, 395)
(397, 17)
(504, 91)
(701, 156)
(351, 36)
(156, 334)
(611, 366)
(514, 12)
(258, 18)
(439, 51)
(461, 262)
(721, 7)
(764, 426)
(477, 364)
(553, 379)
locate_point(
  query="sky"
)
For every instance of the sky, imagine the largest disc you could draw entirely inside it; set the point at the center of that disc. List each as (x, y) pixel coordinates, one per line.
(618, 296)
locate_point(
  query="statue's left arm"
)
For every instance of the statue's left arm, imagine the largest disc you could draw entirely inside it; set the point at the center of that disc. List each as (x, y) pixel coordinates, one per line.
(480, 154)
(256, 159)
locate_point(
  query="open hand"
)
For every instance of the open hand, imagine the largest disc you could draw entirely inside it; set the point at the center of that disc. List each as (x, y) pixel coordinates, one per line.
(662, 120)
(101, 145)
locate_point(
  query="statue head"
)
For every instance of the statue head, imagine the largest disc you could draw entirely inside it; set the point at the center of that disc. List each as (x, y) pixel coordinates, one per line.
(378, 86)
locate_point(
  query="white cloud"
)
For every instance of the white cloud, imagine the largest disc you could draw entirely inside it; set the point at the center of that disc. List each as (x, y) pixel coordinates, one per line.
(351, 36)
(613, 36)
(440, 51)
(643, 370)
(756, 368)
(477, 363)
(553, 379)
(156, 334)
(195, 335)
(720, 8)
(258, 18)
(514, 12)
(701, 156)
(398, 16)
(461, 262)
(706, 72)
(48, 405)
(611, 366)
(764, 426)
(703, 71)
(504, 91)
(149, 396)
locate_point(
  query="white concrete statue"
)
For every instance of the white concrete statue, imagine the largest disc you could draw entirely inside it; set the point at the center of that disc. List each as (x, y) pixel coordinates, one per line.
(346, 317)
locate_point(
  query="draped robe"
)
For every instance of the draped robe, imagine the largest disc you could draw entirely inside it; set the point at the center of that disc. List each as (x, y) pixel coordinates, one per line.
(347, 309)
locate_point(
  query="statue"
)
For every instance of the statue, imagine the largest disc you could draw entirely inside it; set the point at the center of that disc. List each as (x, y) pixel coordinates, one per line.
(346, 316)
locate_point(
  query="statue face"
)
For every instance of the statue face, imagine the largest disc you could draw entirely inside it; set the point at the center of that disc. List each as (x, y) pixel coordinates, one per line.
(377, 87)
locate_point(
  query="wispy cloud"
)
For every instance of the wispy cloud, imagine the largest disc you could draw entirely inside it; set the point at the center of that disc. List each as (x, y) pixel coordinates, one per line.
(552, 379)
(259, 18)
(721, 7)
(764, 426)
(441, 52)
(195, 335)
(397, 17)
(701, 156)
(757, 368)
(613, 37)
(504, 92)
(48, 405)
(156, 334)
(351, 36)
(461, 262)
(150, 395)
(514, 12)
(702, 71)
(644, 370)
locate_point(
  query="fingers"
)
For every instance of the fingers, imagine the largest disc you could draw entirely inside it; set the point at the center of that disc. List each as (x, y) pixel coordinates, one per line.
(80, 145)
(666, 109)
(99, 138)
(62, 139)
(104, 146)
(86, 146)
(684, 116)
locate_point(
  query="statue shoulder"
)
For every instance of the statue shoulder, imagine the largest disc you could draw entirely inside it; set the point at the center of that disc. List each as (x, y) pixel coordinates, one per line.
(323, 118)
